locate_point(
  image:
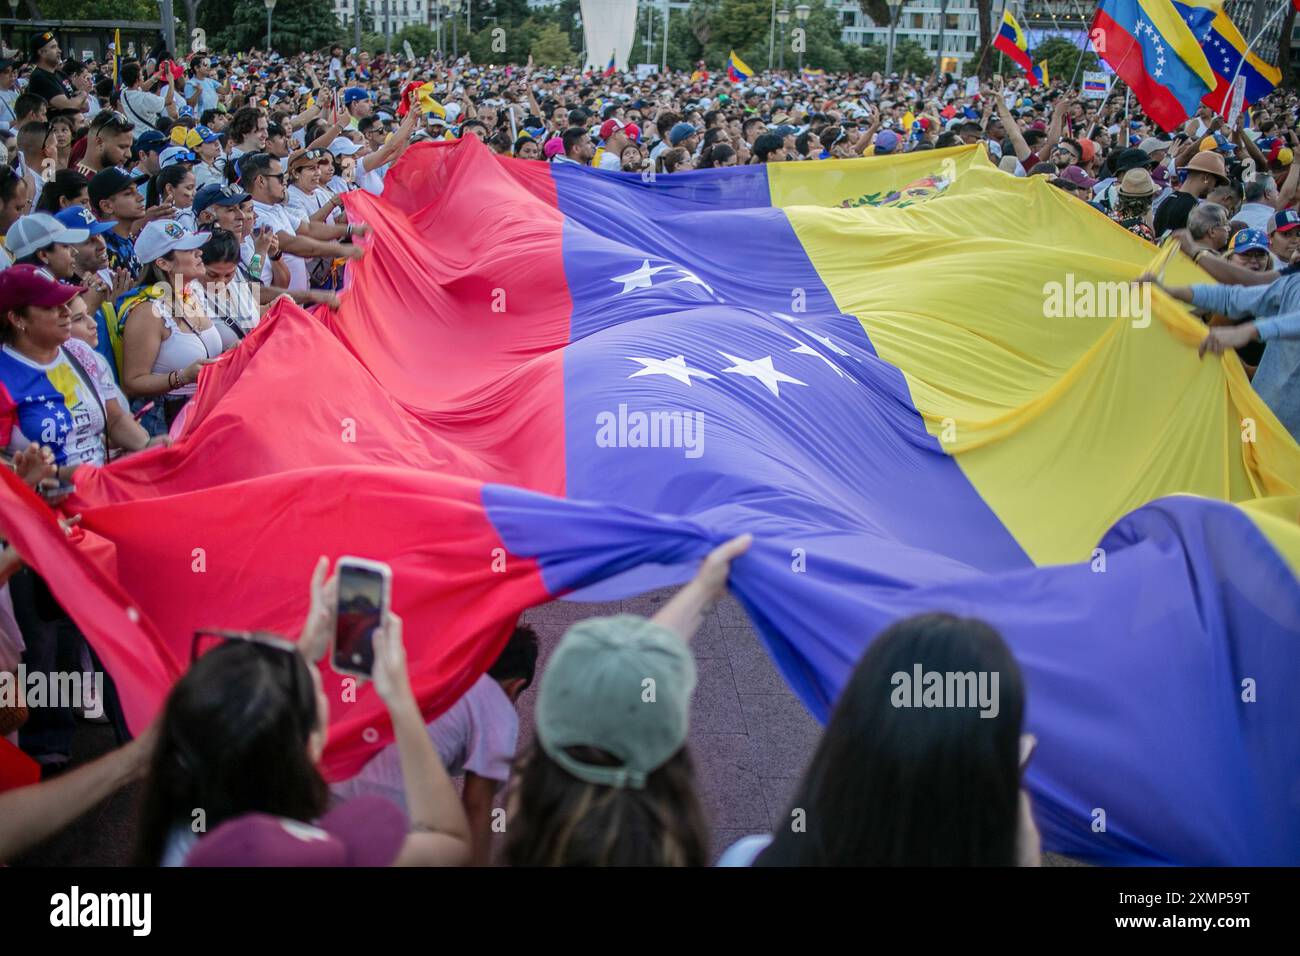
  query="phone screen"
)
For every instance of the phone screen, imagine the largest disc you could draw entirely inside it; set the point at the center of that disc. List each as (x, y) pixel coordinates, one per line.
(362, 596)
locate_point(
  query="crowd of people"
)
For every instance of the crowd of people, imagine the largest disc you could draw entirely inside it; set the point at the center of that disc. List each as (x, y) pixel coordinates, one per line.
(153, 209)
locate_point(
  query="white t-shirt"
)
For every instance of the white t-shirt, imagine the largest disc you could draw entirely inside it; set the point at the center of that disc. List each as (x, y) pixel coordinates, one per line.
(283, 219)
(234, 301)
(142, 107)
(478, 733)
(246, 250)
(205, 174)
(371, 180)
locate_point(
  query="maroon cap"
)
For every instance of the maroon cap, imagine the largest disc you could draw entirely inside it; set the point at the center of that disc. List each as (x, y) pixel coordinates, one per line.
(33, 285)
(1075, 176)
(366, 831)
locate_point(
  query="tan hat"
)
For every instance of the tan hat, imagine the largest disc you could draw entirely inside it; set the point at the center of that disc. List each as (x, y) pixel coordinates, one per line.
(1208, 162)
(1137, 183)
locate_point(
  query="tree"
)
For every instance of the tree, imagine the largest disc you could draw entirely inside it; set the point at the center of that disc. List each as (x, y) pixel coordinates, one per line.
(299, 25)
(551, 47)
(421, 38)
(911, 57)
(1284, 46)
(984, 9)
(97, 10)
(1062, 58)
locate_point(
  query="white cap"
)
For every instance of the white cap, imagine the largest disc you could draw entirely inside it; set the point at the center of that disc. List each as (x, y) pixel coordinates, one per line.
(165, 236)
(343, 147)
(175, 154)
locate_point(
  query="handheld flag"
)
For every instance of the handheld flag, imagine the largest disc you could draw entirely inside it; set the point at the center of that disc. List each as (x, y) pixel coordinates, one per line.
(809, 74)
(117, 56)
(1039, 75)
(424, 95)
(1228, 54)
(1155, 52)
(611, 67)
(1011, 41)
(737, 71)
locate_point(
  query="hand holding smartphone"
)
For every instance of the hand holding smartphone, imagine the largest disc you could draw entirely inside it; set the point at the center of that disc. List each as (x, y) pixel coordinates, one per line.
(364, 598)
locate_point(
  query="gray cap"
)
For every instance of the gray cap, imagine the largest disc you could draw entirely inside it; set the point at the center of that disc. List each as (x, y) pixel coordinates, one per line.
(1153, 145)
(39, 230)
(623, 685)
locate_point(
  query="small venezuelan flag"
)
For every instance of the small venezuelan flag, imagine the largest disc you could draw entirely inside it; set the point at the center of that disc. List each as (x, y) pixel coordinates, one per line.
(737, 71)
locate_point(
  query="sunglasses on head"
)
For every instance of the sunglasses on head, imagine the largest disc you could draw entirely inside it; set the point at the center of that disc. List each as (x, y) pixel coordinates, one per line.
(207, 638)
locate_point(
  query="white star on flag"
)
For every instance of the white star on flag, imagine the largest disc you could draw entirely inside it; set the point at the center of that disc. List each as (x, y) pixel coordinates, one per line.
(760, 369)
(640, 278)
(805, 349)
(691, 277)
(826, 341)
(675, 368)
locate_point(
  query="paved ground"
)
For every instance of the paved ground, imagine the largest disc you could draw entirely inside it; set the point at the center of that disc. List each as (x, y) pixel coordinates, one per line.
(750, 738)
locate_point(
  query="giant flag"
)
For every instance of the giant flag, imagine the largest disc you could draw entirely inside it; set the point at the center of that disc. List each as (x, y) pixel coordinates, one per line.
(921, 384)
(1156, 53)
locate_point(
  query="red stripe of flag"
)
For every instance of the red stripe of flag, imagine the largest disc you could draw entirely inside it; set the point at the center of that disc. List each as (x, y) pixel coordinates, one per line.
(1124, 54)
(1019, 56)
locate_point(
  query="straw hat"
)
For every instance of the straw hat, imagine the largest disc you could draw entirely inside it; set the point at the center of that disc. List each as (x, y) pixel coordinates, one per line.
(1136, 184)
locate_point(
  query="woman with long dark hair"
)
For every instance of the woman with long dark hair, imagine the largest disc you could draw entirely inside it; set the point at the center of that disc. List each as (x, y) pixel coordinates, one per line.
(903, 779)
(243, 729)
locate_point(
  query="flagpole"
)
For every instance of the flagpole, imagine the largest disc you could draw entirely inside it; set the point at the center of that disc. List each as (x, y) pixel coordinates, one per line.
(1083, 47)
(1242, 60)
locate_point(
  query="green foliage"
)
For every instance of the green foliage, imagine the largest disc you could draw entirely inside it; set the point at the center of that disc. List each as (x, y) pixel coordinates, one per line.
(551, 47)
(1062, 57)
(296, 25)
(421, 38)
(101, 9)
(910, 56)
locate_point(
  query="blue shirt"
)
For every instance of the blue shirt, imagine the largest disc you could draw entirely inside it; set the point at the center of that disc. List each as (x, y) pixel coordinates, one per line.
(1276, 308)
(121, 252)
(207, 98)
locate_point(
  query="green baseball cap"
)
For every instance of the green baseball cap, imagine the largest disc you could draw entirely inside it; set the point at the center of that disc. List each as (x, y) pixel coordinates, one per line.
(621, 684)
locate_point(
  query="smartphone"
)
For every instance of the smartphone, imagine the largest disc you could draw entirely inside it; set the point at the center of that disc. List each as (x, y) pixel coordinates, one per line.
(364, 594)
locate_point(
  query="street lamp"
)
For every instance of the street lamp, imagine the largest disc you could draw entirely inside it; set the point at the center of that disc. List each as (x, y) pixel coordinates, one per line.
(802, 11)
(270, 5)
(894, 7)
(455, 11)
(782, 17)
